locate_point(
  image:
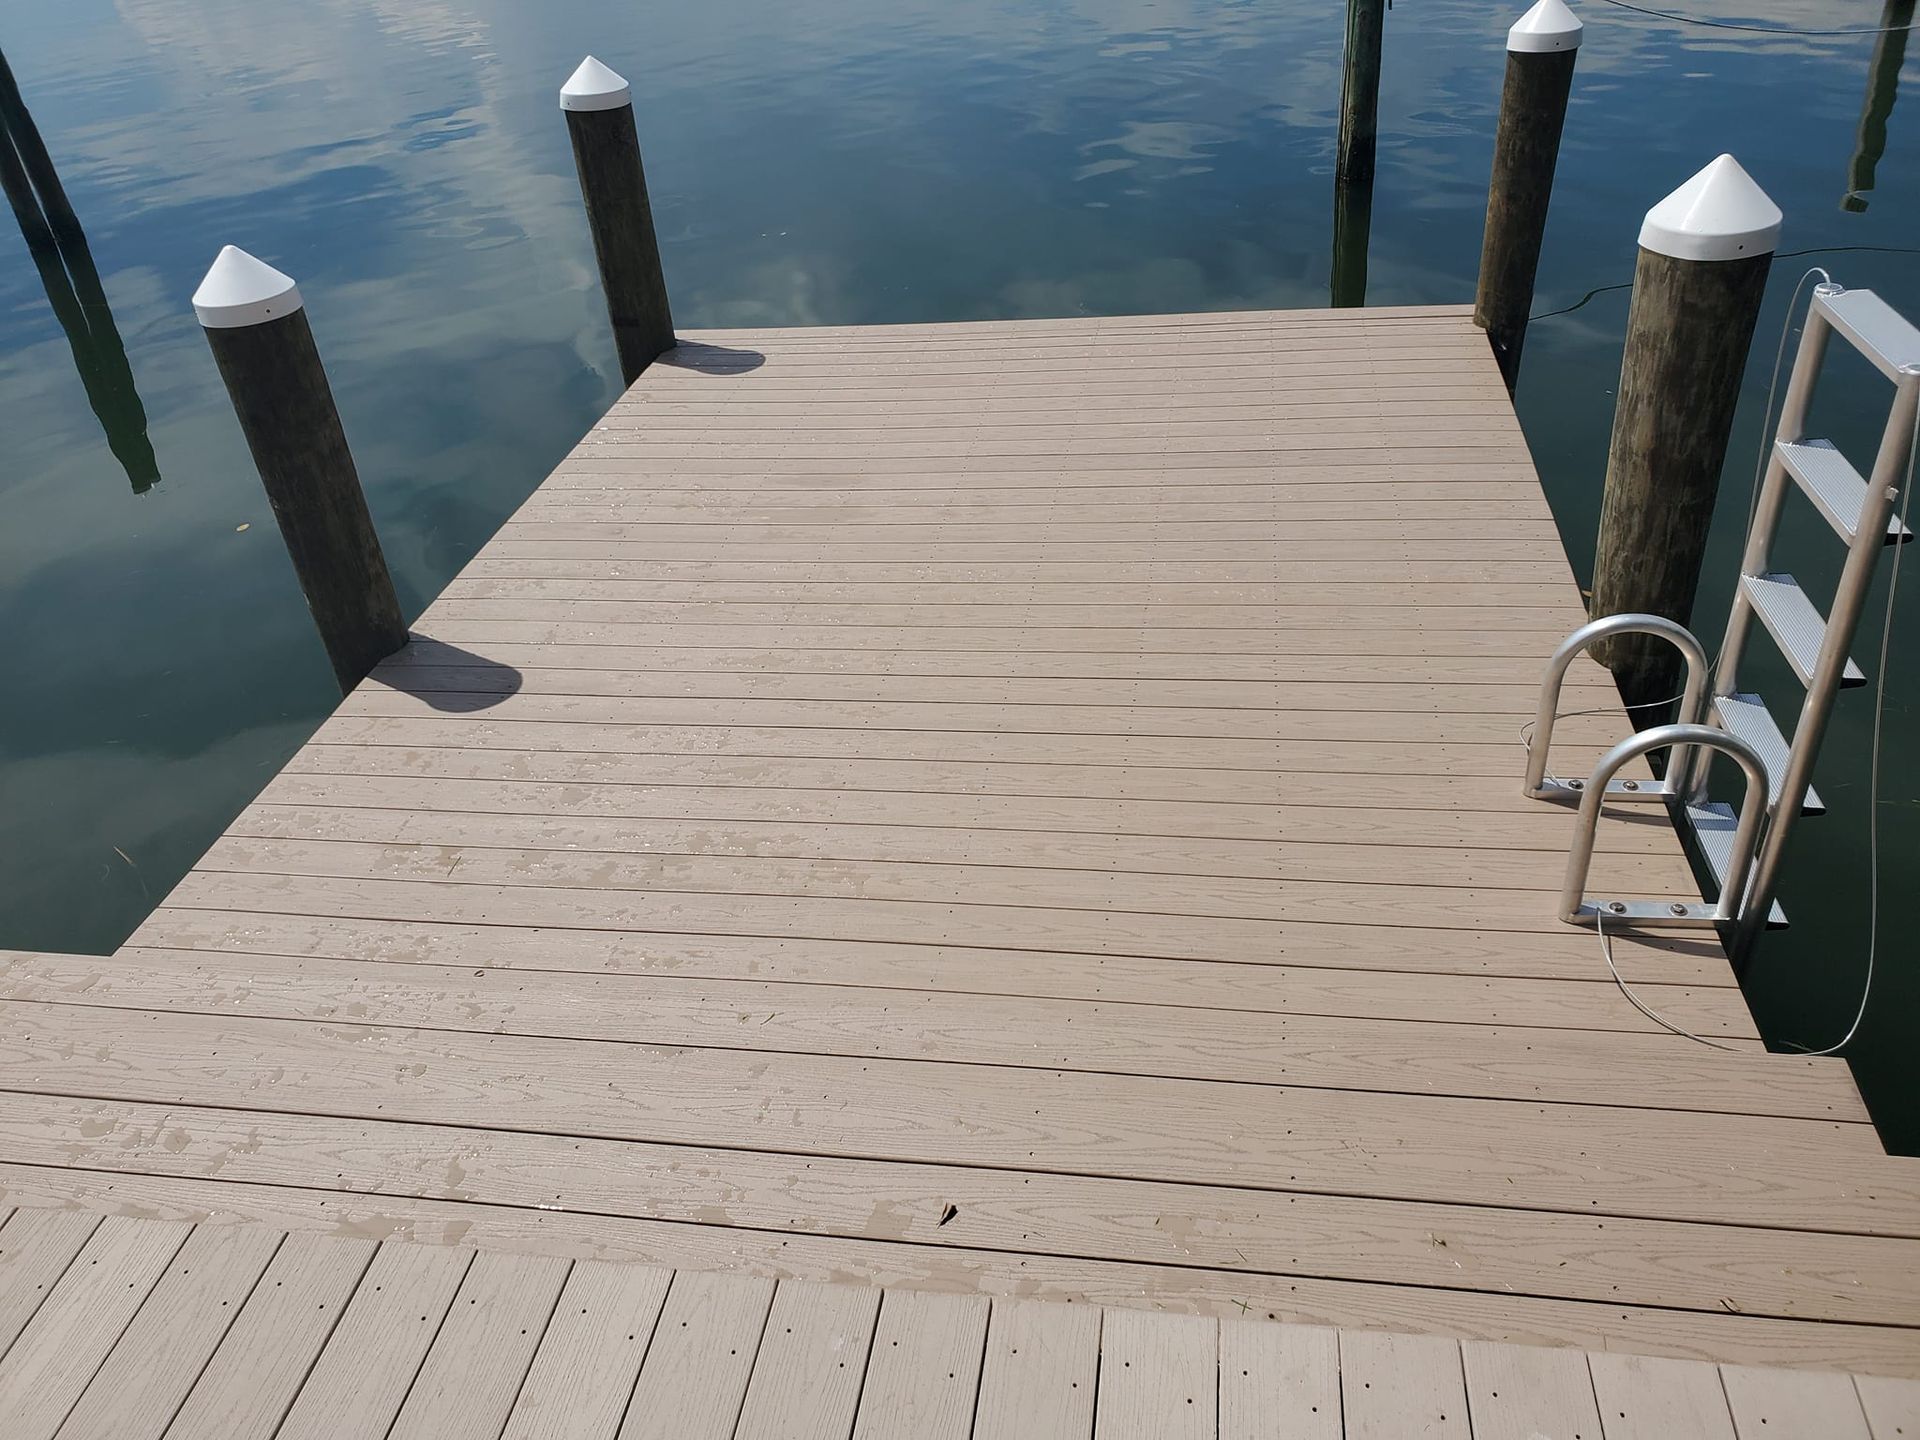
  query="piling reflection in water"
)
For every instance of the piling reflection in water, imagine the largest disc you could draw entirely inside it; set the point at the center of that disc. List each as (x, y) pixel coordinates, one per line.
(1883, 87)
(59, 250)
(1352, 228)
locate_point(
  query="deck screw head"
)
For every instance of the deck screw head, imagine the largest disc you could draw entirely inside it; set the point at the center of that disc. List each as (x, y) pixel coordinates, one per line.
(1618, 907)
(1677, 908)
(1629, 784)
(1576, 784)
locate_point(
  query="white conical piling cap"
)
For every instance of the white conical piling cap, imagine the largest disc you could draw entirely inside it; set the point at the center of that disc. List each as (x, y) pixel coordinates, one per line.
(240, 290)
(1720, 214)
(594, 87)
(1548, 26)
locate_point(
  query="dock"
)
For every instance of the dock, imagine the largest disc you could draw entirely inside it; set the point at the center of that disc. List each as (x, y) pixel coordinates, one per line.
(979, 828)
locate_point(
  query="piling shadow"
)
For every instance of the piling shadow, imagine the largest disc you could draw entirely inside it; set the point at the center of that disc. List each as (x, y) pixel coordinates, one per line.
(448, 678)
(711, 359)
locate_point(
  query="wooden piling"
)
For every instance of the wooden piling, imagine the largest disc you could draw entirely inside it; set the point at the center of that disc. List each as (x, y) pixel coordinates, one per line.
(606, 151)
(1704, 255)
(1360, 91)
(1541, 48)
(257, 327)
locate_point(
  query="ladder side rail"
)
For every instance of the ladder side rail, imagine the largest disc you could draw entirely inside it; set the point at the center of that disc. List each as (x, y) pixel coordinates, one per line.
(1850, 598)
(1773, 492)
(1792, 426)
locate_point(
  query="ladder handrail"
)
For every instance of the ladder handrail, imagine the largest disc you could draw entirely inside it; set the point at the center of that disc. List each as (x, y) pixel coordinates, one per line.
(1772, 499)
(1850, 599)
(1691, 701)
(1746, 835)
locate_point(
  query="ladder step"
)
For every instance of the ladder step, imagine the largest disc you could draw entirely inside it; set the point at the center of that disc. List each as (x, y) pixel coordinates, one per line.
(1834, 486)
(1747, 718)
(1713, 826)
(1796, 626)
(1876, 330)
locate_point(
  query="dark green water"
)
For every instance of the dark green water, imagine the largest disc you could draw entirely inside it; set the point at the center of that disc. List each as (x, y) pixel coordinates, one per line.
(844, 161)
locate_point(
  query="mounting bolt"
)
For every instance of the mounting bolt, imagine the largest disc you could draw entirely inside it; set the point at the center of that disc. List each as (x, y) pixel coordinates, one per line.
(1677, 908)
(1629, 784)
(1576, 784)
(1618, 907)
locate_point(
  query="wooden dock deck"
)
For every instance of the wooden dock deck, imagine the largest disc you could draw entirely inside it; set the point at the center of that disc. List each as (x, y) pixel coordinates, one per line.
(1027, 810)
(126, 1329)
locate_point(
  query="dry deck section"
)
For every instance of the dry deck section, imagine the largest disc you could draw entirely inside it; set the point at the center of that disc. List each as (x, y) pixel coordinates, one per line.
(124, 1329)
(1027, 809)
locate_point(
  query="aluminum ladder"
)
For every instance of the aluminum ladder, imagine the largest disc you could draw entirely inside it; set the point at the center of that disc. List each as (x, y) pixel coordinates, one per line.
(1744, 852)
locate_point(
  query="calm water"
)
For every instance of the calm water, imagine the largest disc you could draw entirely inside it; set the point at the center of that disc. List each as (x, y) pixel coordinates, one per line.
(844, 161)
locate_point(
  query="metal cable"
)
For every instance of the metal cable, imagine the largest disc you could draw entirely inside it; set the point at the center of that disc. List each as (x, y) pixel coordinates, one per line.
(1754, 29)
(1606, 949)
(1873, 777)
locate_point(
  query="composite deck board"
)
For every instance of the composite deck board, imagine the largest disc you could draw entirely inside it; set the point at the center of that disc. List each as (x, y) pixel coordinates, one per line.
(1040, 873)
(1699, 1267)
(924, 1378)
(1177, 696)
(1040, 1373)
(589, 1359)
(36, 1247)
(281, 920)
(1517, 1392)
(507, 664)
(1320, 1052)
(362, 1377)
(270, 1349)
(1279, 1380)
(1649, 1397)
(1394, 1386)
(1029, 811)
(1159, 1377)
(1507, 1317)
(479, 1360)
(1446, 1149)
(1767, 1404)
(706, 1343)
(73, 1331)
(765, 974)
(1343, 806)
(1152, 852)
(152, 1367)
(359, 785)
(1892, 1406)
(812, 1363)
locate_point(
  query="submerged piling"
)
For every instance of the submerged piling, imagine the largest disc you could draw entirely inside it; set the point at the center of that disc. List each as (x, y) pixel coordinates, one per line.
(606, 152)
(1704, 255)
(1541, 49)
(257, 326)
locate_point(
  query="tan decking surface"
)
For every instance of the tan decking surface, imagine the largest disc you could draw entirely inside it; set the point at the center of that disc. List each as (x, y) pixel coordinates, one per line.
(1017, 809)
(125, 1329)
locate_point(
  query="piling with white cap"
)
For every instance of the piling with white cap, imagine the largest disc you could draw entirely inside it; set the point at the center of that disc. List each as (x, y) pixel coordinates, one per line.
(257, 326)
(1541, 48)
(606, 151)
(1705, 252)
